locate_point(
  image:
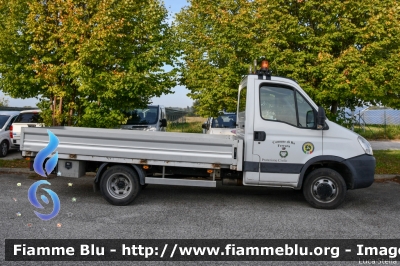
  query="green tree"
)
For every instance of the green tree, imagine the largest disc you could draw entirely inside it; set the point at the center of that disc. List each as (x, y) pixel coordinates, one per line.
(343, 53)
(86, 60)
(215, 47)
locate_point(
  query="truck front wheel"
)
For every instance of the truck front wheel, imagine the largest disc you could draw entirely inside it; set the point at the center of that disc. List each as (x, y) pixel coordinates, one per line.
(120, 185)
(324, 188)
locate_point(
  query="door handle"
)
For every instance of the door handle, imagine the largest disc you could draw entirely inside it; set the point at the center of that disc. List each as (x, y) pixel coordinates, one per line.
(259, 135)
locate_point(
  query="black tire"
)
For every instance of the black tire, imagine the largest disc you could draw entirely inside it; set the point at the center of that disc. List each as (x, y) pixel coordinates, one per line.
(3, 148)
(120, 185)
(324, 188)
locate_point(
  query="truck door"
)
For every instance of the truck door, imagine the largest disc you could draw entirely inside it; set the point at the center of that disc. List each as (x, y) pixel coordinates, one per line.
(285, 134)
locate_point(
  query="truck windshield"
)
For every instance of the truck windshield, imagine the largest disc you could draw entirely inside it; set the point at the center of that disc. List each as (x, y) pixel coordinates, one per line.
(224, 121)
(142, 116)
(3, 120)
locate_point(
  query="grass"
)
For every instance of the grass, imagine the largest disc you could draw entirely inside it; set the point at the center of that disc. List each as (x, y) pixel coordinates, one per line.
(191, 125)
(373, 132)
(188, 127)
(16, 163)
(191, 119)
(387, 161)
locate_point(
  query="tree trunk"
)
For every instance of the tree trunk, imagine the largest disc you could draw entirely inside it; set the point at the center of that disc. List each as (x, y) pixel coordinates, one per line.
(71, 109)
(53, 100)
(334, 107)
(71, 112)
(60, 111)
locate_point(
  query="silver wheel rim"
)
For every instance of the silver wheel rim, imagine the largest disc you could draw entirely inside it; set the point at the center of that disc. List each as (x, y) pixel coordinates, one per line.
(119, 185)
(4, 148)
(326, 185)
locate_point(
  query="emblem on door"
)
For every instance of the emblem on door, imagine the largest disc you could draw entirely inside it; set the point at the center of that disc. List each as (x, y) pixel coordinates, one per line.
(308, 148)
(283, 154)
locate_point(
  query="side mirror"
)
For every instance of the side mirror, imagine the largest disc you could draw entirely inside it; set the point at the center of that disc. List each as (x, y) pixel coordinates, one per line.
(163, 122)
(321, 118)
(310, 119)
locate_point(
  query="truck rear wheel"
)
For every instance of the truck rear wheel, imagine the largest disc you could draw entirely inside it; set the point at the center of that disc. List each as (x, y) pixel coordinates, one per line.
(324, 188)
(120, 185)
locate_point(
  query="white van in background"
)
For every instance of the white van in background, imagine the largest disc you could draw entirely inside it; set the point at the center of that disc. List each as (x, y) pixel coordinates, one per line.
(152, 118)
(27, 118)
(225, 124)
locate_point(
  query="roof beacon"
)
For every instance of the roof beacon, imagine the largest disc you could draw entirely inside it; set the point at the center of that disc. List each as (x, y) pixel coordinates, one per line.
(264, 71)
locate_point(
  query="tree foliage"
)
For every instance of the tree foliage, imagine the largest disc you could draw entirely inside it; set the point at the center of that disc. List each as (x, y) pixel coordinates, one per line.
(343, 53)
(86, 60)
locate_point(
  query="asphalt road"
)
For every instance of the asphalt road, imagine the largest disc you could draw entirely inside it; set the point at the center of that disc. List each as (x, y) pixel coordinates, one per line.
(12, 154)
(186, 212)
(385, 145)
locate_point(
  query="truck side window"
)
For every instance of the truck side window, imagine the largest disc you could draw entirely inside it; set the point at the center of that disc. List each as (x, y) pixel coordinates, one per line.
(277, 103)
(305, 109)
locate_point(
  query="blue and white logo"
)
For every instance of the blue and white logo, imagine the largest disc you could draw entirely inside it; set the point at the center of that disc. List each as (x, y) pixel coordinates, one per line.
(49, 167)
(42, 155)
(32, 198)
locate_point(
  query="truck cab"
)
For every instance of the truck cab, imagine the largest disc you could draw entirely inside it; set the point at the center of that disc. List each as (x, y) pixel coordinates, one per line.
(151, 118)
(290, 143)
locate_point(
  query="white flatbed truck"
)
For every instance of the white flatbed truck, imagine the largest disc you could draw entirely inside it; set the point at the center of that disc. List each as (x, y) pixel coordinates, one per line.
(282, 140)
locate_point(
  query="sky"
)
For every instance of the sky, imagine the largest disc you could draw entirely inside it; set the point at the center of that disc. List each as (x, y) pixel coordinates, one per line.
(178, 99)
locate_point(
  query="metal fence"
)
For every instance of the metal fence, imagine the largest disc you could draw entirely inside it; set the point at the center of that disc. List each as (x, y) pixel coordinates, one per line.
(375, 123)
(175, 115)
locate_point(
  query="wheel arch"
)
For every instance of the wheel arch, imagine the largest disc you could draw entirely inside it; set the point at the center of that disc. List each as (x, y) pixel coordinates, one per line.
(333, 162)
(104, 166)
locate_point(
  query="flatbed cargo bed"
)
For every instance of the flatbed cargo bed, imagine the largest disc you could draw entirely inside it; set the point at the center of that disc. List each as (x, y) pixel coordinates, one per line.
(138, 147)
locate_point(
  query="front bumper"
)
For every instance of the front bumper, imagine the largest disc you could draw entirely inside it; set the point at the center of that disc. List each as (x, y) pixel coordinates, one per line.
(362, 169)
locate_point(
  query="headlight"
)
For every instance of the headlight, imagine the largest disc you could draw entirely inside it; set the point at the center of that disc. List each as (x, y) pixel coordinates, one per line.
(365, 145)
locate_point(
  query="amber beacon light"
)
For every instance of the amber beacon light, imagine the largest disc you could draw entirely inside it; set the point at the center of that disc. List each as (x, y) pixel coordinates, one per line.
(264, 64)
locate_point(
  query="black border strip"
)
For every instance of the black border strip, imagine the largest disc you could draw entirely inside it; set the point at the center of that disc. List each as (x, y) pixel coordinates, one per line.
(282, 168)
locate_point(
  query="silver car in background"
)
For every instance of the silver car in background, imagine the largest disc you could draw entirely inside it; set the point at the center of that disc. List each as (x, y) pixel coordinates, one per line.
(6, 119)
